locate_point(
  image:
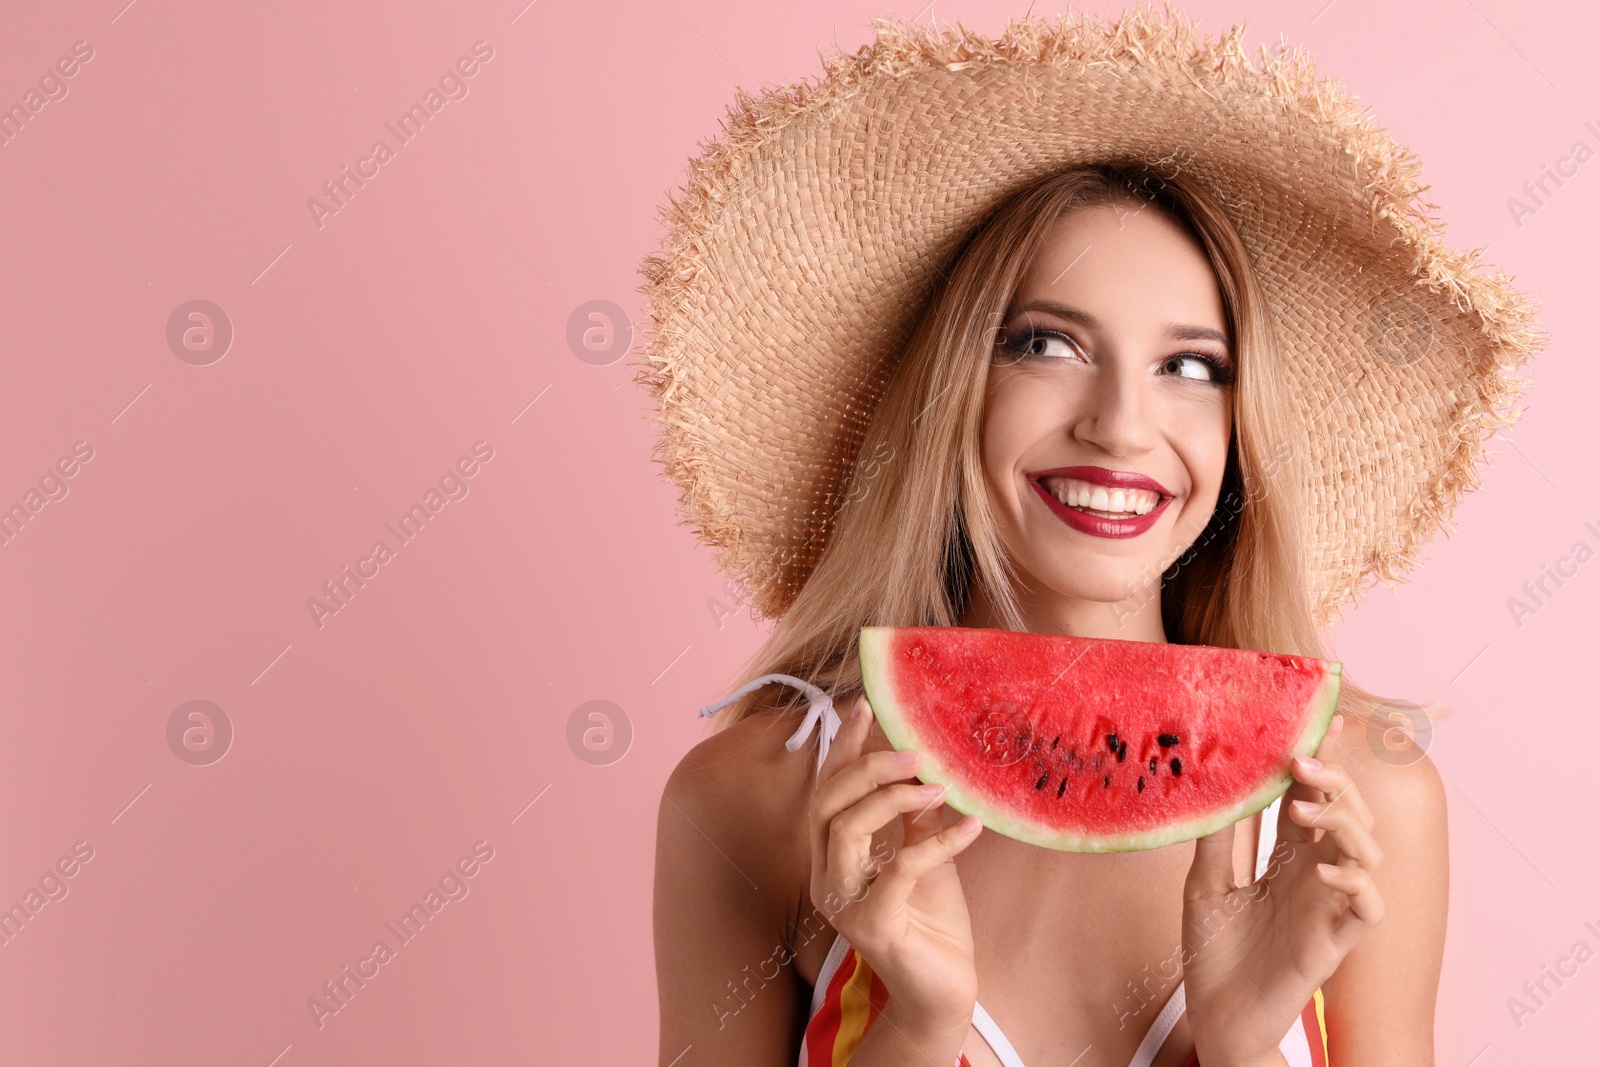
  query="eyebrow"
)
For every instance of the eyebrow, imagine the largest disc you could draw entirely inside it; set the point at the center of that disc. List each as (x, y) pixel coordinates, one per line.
(1176, 330)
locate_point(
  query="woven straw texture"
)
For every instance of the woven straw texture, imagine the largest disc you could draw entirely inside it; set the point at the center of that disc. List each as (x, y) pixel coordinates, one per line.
(809, 232)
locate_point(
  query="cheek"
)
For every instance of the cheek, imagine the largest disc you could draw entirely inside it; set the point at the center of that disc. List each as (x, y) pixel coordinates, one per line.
(1204, 435)
(1019, 412)
(1014, 422)
(998, 447)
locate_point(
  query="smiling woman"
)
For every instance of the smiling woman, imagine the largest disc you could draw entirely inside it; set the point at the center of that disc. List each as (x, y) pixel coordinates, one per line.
(1051, 461)
(1089, 366)
(1082, 444)
(1112, 392)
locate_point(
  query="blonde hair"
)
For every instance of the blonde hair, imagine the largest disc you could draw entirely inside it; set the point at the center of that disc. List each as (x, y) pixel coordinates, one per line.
(907, 548)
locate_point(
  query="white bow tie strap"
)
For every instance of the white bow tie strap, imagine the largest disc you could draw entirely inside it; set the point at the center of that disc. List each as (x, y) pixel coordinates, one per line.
(821, 710)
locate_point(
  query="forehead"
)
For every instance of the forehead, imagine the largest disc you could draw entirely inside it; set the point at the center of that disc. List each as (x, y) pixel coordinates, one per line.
(1125, 260)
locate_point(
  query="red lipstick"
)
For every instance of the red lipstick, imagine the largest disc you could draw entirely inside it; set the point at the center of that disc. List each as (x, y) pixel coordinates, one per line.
(1101, 476)
(1111, 479)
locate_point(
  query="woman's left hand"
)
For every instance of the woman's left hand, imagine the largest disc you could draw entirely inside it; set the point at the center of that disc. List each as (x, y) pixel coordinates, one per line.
(1253, 956)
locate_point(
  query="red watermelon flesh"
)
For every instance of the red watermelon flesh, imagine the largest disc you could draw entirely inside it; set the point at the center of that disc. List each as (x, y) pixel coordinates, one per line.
(1094, 744)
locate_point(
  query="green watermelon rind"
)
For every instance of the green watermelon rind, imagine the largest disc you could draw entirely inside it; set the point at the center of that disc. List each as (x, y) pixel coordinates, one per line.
(875, 672)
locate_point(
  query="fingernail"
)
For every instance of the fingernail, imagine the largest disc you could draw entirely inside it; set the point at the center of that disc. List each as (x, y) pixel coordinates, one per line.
(969, 825)
(1310, 763)
(931, 791)
(1305, 807)
(906, 757)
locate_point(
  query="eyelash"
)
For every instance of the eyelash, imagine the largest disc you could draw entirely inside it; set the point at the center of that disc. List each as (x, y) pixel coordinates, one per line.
(1221, 373)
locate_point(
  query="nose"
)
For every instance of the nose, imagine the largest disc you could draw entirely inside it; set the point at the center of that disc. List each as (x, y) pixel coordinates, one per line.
(1117, 411)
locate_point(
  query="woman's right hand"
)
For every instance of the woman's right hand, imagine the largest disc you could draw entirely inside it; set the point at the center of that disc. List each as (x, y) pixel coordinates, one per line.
(911, 923)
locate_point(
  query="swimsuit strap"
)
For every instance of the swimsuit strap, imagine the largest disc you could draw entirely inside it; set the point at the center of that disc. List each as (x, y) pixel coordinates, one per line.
(1001, 1045)
(836, 954)
(1269, 836)
(1156, 1036)
(821, 711)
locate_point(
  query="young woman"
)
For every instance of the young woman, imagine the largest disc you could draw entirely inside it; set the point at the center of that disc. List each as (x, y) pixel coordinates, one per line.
(1130, 354)
(1098, 351)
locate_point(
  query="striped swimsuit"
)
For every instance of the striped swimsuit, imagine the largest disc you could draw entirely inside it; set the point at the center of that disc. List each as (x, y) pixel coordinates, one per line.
(848, 997)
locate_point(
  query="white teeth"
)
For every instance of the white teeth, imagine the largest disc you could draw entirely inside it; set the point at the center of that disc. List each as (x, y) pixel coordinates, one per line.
(1088, 495)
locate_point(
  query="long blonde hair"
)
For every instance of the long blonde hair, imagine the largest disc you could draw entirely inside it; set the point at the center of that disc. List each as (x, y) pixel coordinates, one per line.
(915, 535)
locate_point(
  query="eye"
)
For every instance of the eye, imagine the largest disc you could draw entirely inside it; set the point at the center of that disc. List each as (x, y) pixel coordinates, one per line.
(1032, 344)
(1194, 365)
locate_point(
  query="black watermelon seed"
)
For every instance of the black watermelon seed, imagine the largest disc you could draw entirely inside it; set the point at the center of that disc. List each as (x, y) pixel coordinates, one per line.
(1111, 742)
(1056, 742)
(1107, 782)
(1122, 751)
(1062, 788)
(1043, 778)
(1152, 765)
(1141, 783)
(1167, 740)
(1177, 765)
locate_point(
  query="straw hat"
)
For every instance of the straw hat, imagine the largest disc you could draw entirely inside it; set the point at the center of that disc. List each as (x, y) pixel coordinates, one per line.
(811, 230)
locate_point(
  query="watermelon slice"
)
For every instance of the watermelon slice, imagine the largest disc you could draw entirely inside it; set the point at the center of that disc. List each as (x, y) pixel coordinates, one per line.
(1093, 744)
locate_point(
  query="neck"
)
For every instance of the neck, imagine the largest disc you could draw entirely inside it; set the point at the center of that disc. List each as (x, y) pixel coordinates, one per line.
(1048, 613)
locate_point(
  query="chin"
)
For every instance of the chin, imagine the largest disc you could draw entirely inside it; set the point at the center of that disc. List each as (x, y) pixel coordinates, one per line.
(1111, 584)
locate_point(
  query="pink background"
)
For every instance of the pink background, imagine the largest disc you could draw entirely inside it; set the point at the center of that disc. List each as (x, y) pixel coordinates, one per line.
(370, 353)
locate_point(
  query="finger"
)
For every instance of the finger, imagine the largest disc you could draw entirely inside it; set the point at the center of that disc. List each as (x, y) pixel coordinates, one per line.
(862, 776)
(1334, 782)
(874, 811)
(919, 825)
(1300, 788)
(844, 750)
(1341, 799)
(1354, 841)
(1330, 740)
(1290, 831)
(1318, 781)
(850, 834)
(1366, 907)
(1332, 747)
(900, 874)
(847, 743)
(859, 779)
(1211, 873)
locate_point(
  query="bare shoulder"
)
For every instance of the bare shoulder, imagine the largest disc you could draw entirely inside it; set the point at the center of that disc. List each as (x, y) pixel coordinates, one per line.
(732, 865)
(1400, 783)
(1381, 1000)
(742, 787)
(732, 833)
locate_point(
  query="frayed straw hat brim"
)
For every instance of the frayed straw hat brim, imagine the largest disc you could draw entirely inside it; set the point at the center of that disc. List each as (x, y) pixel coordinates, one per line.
(807, 235)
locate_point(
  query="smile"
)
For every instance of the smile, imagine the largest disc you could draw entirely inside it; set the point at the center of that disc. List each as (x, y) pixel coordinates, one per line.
(1102, 502)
